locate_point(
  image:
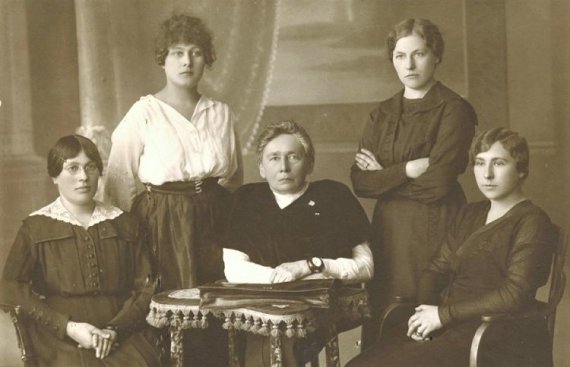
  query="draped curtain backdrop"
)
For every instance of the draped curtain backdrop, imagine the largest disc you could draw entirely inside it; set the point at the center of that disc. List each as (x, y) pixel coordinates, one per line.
(68, 66)
(114, 47)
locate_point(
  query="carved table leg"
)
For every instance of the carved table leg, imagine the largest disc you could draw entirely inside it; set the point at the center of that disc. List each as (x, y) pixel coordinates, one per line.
(176, 344)
(331, 349)
(233, 348)
(276, 353)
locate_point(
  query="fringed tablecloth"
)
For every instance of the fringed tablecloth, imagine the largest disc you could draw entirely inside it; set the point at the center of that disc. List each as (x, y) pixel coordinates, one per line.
(177, 310)
(181, 310)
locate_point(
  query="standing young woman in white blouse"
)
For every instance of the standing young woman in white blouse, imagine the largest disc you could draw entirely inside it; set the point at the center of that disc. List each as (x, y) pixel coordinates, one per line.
(174, 155)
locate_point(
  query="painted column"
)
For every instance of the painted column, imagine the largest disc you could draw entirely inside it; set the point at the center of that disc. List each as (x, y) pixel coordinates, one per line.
(22, 174)
(97, 93)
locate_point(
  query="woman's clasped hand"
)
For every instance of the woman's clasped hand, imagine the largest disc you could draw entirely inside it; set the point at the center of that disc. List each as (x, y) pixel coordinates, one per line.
(423, 322)
(88, 336)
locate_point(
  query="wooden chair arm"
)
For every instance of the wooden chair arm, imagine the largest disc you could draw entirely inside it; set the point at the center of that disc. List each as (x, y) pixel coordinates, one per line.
(7, 307)
(395, 313)
(18, 321)
(542, 310)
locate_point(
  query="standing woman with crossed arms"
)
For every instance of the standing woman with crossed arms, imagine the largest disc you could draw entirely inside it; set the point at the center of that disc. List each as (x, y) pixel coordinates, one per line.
(173, 156)
(413, 148)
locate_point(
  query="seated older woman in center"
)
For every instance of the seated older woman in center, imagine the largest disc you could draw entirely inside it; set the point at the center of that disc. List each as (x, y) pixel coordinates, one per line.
(287, 228)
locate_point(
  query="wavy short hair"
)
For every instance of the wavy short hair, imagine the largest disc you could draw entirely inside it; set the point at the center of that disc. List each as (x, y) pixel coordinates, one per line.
(515, 144)
(287, 127)
(69, 147)
(421, 27)
(183, 28)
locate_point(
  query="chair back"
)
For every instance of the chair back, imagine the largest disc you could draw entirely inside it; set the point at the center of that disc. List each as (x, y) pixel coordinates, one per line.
(557, 278)
(546, 311)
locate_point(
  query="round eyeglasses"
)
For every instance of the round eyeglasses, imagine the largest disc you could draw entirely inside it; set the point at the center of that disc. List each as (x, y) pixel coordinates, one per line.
(89, 169)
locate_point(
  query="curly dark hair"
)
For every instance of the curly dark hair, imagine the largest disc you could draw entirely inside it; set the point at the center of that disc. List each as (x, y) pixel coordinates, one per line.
(421, 27)
(183, 28)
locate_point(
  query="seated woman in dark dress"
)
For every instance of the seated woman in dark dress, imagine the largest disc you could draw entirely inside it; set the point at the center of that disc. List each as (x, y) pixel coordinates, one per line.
(287, 228)
(77, 270)
(496, 256)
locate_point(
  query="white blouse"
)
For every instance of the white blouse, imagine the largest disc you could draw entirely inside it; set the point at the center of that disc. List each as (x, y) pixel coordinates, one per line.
(155, 144)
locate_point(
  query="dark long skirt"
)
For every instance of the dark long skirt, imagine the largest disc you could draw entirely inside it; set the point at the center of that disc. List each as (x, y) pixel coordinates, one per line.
(507, 345)
(183, 224)
(137, 350)
(183, 229)
(406, 235)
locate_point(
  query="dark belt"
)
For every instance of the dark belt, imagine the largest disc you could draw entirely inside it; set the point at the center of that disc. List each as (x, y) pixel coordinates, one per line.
(184, 187)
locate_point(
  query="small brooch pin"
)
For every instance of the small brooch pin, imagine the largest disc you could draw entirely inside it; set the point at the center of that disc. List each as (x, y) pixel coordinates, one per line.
(311, 203)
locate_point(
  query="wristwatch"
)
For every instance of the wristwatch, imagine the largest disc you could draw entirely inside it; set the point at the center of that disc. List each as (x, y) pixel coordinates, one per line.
(316, 264)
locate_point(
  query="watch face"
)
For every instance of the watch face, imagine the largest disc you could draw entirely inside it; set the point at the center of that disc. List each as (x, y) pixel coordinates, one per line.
(317, 261)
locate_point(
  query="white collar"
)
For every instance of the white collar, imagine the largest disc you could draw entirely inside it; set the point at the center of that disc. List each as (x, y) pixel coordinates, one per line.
(284, 200)
(204, 102)
(57, 211)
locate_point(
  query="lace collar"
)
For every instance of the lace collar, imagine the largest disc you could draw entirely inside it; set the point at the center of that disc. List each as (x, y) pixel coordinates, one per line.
(56, 210)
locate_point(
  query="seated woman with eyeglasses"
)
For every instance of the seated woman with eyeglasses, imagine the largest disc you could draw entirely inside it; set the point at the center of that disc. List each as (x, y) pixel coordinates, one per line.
(78, 271)
(497, 254)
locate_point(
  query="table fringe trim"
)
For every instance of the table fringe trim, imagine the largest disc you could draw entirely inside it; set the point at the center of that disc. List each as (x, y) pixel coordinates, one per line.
(257, 322)
(260, 323)
(189, 317)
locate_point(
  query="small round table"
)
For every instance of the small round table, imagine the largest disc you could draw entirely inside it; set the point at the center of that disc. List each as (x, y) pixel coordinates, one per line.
(179, 310)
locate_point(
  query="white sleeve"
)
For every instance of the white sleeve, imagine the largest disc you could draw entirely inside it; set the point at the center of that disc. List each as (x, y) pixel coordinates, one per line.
(360, 268)
(236, 179)
(121, 177)
(239, 269)
(235, 169)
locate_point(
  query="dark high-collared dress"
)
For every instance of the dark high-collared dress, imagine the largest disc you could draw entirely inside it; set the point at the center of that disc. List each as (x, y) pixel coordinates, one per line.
(326, 221)
(59, 271)
(481, 269)
(411, 216)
